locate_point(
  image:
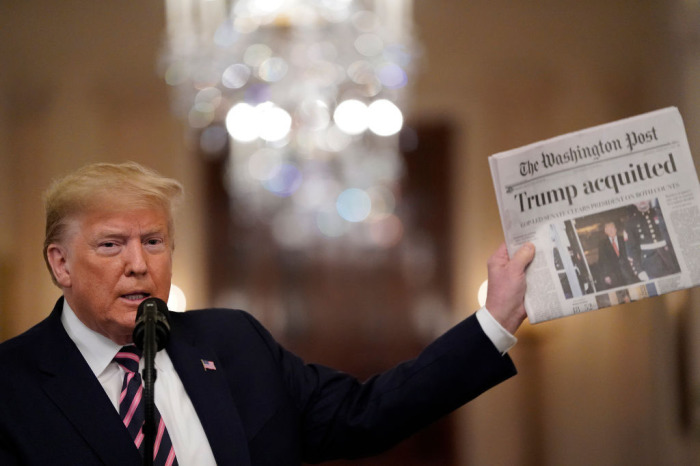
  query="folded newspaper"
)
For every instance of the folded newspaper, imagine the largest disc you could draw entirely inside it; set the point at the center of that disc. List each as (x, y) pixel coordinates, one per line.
(613, 210)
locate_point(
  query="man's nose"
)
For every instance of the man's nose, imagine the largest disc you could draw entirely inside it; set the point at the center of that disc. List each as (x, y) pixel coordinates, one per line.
(135, 259)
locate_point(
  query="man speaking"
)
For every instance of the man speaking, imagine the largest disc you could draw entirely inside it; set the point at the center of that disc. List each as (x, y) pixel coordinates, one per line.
(71, 391)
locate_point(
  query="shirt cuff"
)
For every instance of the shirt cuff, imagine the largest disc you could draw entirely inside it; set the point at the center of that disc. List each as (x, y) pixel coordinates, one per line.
(501, 338)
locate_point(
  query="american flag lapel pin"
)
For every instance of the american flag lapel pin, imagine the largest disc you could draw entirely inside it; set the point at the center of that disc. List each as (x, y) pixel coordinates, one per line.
(208, 365)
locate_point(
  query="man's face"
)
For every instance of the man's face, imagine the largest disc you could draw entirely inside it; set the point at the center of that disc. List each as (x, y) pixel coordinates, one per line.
(643, 206)
(110, 261)
(610, 229)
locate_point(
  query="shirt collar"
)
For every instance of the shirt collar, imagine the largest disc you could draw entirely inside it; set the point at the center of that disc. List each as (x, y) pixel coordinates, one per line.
(97, 349)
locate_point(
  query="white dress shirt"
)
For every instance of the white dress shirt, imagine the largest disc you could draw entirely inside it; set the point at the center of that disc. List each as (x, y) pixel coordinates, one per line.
(502, 339)
(186, 432)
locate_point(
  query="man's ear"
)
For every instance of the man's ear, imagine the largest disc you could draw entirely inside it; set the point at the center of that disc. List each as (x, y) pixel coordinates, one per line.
(58, 259)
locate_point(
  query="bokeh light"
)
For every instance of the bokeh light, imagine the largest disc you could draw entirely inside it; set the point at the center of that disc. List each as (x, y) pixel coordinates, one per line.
(305, 97)
(481, 294)
(351, 116)
(386, 232)
(256, 54)
(274, 122)
(354, 205)
(177, 302)
(246, 123)
(273, 69)
(213, 139)
(330, 224)
(385, 118)
(241, 124)
(226, 34)
(264, 164)
(392, 76)
(285, 181)
(314, 114)
(369, 45)
(235, 76)
(383, 203)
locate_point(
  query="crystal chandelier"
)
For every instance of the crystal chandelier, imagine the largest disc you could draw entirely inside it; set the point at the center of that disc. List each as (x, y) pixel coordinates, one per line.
(307, 96)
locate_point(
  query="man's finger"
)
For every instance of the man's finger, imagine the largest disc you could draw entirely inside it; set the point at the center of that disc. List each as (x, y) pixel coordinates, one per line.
(524, 255)
(500, 257)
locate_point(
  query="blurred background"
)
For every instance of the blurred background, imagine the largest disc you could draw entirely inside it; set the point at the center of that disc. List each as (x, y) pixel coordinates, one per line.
(356, 246)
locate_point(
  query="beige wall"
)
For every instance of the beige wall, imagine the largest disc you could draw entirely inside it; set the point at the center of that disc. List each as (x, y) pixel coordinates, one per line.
(78, 83)
(601, 388)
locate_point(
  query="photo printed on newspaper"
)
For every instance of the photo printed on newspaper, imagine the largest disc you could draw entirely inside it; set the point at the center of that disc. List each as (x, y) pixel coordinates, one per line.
(613, 211)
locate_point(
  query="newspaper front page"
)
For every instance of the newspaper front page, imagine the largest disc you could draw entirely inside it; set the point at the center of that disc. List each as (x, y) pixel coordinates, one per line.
(613, 211)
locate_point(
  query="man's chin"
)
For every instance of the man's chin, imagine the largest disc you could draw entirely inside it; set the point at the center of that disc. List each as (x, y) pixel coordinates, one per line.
(123, 333)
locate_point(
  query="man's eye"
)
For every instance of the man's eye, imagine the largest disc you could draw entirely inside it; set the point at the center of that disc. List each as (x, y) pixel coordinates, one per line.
(108, 247)
(154, 243)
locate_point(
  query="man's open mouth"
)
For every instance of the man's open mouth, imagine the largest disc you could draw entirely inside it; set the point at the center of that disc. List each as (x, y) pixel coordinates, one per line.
(136, 296)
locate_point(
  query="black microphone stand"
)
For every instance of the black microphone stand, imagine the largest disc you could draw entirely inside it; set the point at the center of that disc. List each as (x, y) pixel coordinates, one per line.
(151, 333)
(149, 380)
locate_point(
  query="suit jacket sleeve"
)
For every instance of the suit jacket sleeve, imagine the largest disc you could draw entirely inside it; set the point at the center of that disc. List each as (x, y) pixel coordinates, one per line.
(343, 418)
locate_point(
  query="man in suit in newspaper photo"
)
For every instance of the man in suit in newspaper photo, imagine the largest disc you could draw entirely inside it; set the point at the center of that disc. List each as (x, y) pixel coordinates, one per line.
(614, 266)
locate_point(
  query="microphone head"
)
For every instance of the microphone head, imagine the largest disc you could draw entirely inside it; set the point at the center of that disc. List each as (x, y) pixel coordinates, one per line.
(152, 311)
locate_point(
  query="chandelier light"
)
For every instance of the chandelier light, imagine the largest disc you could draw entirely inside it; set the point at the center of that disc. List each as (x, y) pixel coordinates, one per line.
(307, 96)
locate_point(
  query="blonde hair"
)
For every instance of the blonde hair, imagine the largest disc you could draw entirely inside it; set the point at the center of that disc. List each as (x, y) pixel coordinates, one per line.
(90, 187)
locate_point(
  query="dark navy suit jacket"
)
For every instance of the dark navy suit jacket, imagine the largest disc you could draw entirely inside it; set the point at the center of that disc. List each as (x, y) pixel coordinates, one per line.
(261, 406)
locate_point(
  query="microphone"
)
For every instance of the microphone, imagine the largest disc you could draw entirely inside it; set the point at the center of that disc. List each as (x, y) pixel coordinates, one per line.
(151, 334)
(152, 312)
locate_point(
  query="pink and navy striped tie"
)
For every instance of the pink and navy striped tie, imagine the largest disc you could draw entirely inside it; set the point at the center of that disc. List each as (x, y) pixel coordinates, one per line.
(131, 408)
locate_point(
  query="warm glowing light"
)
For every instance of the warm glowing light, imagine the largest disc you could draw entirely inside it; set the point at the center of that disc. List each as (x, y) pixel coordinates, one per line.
(246, 123)
(385, 118)
(351, 116)
(481, 294)
(298, 92)
(241, 122)
(273, 122)
(177, 302)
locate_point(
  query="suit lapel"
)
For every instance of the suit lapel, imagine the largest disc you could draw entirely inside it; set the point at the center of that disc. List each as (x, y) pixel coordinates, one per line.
(209, 392)
(70, 384)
